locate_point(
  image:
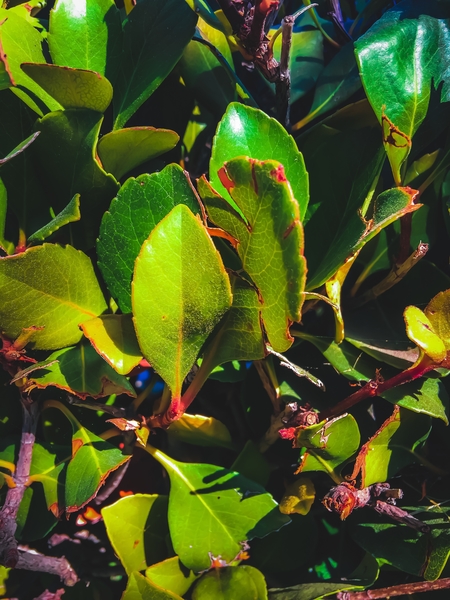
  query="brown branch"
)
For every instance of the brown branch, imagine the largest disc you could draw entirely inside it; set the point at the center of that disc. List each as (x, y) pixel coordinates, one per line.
(397, 590)
(283, 85)
(9, 554)
(30, 560)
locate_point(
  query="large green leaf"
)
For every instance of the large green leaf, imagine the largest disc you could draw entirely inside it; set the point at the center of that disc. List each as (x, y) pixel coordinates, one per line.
(427, 396)
(21, 42)
(137, 529)
(65, 153)
(48, 286)
(328, 445)
(245, 131)
(172, 575)
(140, 205)
(72, 88)
(239, 583)
(392, 446)
(141, 588)
(154, 36)
(270, 239)
(398, 62)
(124, 149)
(86, 35)
(212, 511)
(180, 292)
(114, 339)
(78, 370)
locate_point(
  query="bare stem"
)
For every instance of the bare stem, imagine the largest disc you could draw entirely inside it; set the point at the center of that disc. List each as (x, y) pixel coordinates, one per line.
(30, 560)
(397, 590)
(9, 554)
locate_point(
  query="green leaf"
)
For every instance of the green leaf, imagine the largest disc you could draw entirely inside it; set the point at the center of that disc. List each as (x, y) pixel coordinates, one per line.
(201, 431)
(398, 61)
(392, 447)
(245, 131)
(48, 286)
(80, 371)
(137, 529)
(438, 313)
(311, 591)
(140, 205)
(239, 336)
(70, 214)
(122, 150)
(20, 43)
(270, 239)
(141, 588)
(86, 36)
(337, 82)
(426, 396)
(153, 41)
(439, 554)
(212, 511)
(65, 155)
(207, 78)
(328, 445)
(71, 88)
(420, 331)
(239, 583)
(19, 149)
(181, 262)
(114, 339)
(171, 575)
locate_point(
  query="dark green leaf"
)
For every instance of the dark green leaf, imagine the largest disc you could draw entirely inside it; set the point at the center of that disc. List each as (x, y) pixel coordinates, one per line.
(70, 214)
(181, 262)
(137, 529)
(427, 396)
(245, 131)
(270, 238)
(86, 36)
(52, 287)
(122, 150)
(140, 205)
(153, 41)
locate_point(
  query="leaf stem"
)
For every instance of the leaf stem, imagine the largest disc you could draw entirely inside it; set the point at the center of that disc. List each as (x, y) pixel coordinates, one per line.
(397, 590)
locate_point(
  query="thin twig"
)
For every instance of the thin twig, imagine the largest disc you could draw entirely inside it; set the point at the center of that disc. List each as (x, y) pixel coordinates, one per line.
(397, 590)
(30, 560)
(9, 554)
(283, 85)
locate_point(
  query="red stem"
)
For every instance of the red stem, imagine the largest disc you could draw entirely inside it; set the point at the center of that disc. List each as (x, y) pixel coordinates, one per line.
(397, 590)
(374, 388)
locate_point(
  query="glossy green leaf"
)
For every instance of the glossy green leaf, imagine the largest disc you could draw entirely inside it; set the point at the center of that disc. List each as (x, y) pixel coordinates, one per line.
(70, 214)
(421, 166)
(392, 446)
(114, 339)
(86, 36)
(336, 83)
(201, 431)
(141, 588)
(420, 331)
(137, 529)
(65, 154)
(207, 78)
(172, 575)
(124, 149)
(239, 336)
(20, 43)
(427, 396)
(239, 583)
(270, 239)
(212, 511)
(147, 58)
(80, 371)
(328, 445)
(245, 131)
(180, 261)
(398, 62)
(140, 205)
(48, 286)
(71, 88)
